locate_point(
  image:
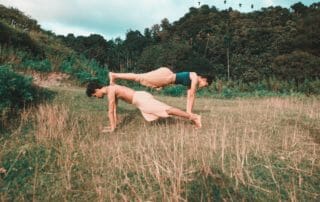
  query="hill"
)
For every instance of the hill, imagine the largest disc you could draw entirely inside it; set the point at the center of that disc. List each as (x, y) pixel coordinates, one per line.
(272, 43)
(26, 47)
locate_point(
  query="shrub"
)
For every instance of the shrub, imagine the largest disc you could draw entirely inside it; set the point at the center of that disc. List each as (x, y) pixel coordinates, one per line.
(17, 92)
(67, 65)
(227, 93)
(310, 87)
(38, 65)
(176, 91)
(85, 70)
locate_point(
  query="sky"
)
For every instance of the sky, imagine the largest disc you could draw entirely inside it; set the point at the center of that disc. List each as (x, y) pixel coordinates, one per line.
(114, 18)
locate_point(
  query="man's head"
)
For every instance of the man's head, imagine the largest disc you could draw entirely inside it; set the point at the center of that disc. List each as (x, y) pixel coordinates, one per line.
(204, 80)
(93, 89)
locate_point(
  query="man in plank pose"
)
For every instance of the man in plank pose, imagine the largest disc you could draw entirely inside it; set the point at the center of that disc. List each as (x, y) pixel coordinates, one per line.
(150, 108)
(163, 76)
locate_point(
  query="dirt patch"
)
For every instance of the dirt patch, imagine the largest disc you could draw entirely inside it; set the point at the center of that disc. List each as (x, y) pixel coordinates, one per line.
(50, 79)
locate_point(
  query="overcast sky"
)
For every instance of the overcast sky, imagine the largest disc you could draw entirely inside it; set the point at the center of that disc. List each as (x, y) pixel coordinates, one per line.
(113, 18)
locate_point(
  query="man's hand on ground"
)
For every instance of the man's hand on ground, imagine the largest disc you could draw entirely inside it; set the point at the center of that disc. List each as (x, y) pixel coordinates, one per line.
(107, 129)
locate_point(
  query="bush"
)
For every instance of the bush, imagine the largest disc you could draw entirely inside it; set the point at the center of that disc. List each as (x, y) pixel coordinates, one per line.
(42, 65)
(85, 70)
(297, 65)
(176, 91)
(228, 93)
(310, 87)
(17, 92)
(67, 65)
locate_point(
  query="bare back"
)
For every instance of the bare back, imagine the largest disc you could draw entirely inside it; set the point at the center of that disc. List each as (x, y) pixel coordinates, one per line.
(123, 93)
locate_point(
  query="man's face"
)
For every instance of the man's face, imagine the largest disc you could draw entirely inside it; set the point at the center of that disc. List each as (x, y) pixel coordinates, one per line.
(203, 82)
(98, 94)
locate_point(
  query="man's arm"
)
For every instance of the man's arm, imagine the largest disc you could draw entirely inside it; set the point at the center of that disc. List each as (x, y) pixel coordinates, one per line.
(191, 93)
(112, 108)
(115, 112)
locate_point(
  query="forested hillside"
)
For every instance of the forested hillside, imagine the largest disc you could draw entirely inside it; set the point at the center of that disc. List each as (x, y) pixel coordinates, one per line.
(267, 46)
(272, 42)
(25, 48)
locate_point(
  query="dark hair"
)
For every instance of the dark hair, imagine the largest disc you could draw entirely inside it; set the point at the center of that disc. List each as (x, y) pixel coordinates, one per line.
(91, 88)
(208, 77)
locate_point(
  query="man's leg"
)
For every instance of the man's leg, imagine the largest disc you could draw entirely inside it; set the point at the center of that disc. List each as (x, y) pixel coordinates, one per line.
(125, 76)
(193, 117)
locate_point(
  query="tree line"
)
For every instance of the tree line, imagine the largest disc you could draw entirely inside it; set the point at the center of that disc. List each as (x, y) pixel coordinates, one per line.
(276, 42)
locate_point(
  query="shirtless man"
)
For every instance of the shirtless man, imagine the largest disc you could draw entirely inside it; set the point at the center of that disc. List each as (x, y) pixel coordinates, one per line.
(164, 76)
(150, 108)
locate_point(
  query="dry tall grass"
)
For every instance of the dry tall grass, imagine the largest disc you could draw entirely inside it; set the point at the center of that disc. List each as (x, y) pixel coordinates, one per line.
(249, 148)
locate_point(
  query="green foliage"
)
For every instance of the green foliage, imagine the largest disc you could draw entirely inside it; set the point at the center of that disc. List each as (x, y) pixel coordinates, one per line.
(90, 70)
(297, 65)
(67, 65)
(274, 43)
(17, 39)
(17, 92)
(18, 19)
(310, 87)
(150, 58)
(38, 65)
(93, 47)
(228, 93)
(176, 91)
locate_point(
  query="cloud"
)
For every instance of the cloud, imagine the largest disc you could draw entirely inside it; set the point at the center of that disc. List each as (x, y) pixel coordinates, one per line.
(113, 18)
(267, 3)
(107, 17)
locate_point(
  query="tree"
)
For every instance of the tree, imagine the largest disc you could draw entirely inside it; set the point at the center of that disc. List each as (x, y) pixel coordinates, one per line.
(297, 66)
(134, 44)
(299, 8)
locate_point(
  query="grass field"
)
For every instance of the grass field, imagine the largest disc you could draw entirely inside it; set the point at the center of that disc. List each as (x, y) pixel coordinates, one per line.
(249, 149)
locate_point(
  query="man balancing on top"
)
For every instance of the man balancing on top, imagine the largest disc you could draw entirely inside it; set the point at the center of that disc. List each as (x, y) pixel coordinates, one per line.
(163, 76)
(150, 108)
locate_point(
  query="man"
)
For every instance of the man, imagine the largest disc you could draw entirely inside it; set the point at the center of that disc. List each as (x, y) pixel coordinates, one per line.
(163, 76)
(150, 108)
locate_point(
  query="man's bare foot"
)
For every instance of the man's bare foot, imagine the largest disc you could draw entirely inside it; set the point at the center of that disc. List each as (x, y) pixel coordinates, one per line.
(111, 78)
(197, 120)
